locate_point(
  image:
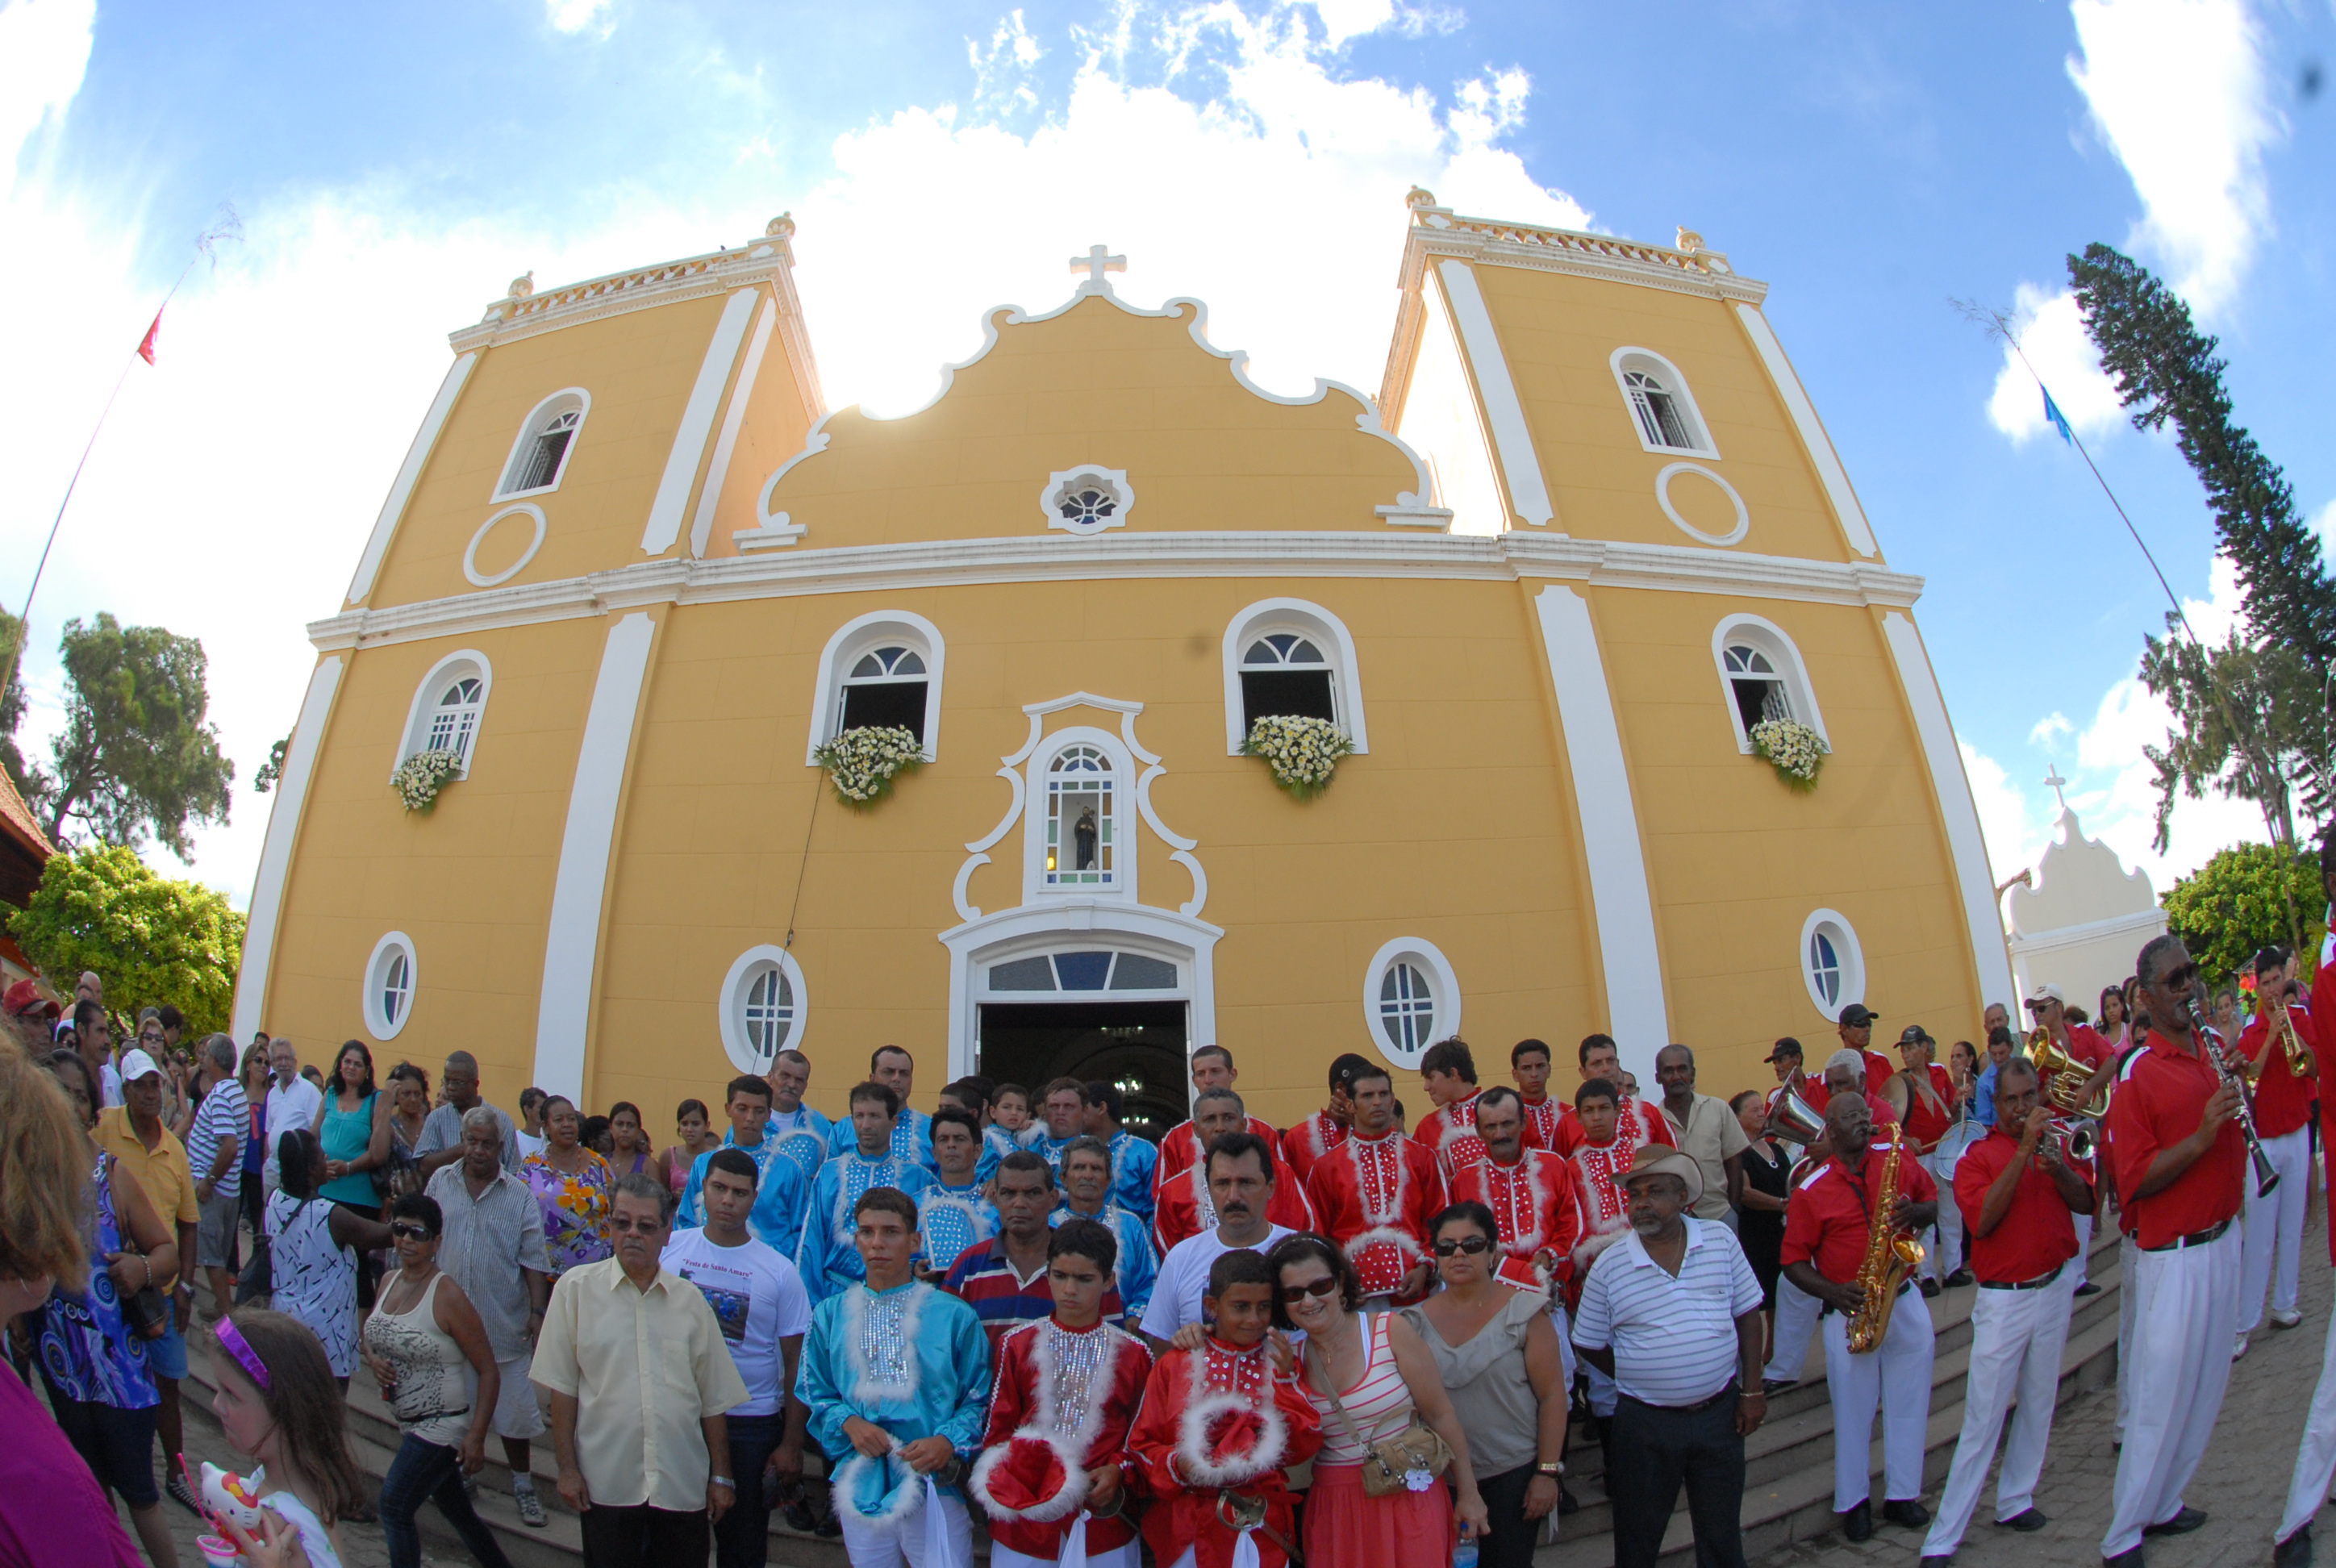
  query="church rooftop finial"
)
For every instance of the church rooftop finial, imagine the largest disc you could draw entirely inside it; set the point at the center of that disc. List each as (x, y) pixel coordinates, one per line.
(1097, 261)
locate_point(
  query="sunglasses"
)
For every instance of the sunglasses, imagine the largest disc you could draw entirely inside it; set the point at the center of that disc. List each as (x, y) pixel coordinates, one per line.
(628, 1227)
(408, 1230)
(2181, 979)
(1293, 1294)
(1471, 1245)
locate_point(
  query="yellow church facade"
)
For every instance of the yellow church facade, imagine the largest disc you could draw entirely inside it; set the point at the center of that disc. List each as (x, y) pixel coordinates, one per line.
(634, 572)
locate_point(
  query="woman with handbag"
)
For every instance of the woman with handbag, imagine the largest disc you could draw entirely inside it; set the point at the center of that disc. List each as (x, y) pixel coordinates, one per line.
(1388, 1431)
(93, 1341)
(353, 1126)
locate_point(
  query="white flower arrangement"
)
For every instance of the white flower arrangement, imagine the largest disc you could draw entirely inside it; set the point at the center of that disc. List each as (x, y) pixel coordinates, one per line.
(1302, 752)
(1795, 750)
(862, 764)
(420, 777)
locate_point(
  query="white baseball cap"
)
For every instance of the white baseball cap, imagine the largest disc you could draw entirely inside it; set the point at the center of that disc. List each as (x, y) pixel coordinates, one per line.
(2047, 992)
(136, 1064)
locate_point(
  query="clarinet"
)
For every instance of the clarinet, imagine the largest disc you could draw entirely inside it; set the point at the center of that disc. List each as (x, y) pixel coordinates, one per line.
(2230, 1073)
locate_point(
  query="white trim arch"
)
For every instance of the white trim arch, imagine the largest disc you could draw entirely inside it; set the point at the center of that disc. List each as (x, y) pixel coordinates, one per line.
(1784, 658)
(1327, 631)
(1383, 1012)
(855, 639)
(392, 970)
(751, 968)
(1846, 973)
(539, 423)
(1668, 382)
(429, 697)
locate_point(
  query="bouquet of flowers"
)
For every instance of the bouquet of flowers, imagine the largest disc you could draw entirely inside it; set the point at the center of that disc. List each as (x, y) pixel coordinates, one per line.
(1795, 750)
(862, 764)
(1302, 752)
(420, 777)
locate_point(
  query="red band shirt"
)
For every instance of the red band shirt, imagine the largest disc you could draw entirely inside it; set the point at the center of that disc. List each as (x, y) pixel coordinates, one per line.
(2282, 1100)
(1825, 1221)
(1180, 1148)
(1635, 1122)
(2161, 1098)
(1310, 1140)
(2036, 1235)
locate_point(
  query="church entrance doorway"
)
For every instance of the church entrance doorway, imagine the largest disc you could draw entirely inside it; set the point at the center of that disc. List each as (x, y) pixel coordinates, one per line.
(1139, 1046)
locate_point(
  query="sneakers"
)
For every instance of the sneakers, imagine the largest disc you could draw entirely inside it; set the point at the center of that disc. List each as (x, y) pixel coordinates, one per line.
(2238, 1347)
(175, 1488)
(2287, 1320)
(531, 1507)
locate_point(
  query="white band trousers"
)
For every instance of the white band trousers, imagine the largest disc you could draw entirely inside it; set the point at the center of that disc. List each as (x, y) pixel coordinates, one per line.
(1796, 1325)
(2274, 1231)
(2183, 1315)
(1894, 1376)
(2315, 1460)
(2017, 1338)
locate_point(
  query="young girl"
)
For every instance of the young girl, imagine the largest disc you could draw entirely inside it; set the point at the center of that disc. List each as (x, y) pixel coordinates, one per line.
(1010, 1108)
(279, 1401)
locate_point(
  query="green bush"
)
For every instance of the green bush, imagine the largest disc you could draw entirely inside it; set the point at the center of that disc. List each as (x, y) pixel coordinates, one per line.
(151, 941)
(2232, 905)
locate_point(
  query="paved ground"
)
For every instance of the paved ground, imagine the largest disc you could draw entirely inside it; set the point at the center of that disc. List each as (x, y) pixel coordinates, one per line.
(2242, 1484)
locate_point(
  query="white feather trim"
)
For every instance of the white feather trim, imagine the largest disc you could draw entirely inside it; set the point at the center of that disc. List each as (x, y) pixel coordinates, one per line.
(1069, 1500)
(1193, 1440)
(906, 1493)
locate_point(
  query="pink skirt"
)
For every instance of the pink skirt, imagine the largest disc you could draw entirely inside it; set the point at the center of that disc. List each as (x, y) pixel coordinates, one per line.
(1347, 1526)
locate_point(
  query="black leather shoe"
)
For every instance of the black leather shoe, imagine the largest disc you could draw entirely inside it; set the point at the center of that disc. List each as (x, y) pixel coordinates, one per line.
(1857, 1525)
(2128, 1558)
(1945, 1561)
(799, 1517)
(1959, 1278)
(2182, 1524)
(2027, 1523)
(2295, 1552)
(1907, 1511)
(1930, 1289)
(2089, 1288)
(1779, 1385)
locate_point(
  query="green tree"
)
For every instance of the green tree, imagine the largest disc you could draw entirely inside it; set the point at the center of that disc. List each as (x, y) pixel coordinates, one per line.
(271, 772)
(154, 940)
(136, 757)
(2235, 905)
(2270, 689)
(30, 782)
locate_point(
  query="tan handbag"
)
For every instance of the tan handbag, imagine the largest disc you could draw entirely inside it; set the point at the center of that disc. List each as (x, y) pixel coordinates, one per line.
(1391, 1464)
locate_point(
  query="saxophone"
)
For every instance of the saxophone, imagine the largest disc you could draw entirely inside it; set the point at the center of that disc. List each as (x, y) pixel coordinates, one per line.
(1890, 1257)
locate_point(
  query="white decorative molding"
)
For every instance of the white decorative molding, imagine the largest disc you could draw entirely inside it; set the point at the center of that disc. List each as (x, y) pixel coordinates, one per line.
(1671, 471)
(1445, 982)
(1301, 615)
(1828, 462)
(1959, 813)
(702, 525)
(395, 945)
(417, 712)
(943, 563)
(1770, 639)
(1063, 483)
(267, 909)
(860, 635)
(1504, 412)
(773, 527)
(572, 940)
(409, 473)
(528, 432)
(1675, 383)
(1630, 956)
(696, 427)
(471, 551)
(1849, 952)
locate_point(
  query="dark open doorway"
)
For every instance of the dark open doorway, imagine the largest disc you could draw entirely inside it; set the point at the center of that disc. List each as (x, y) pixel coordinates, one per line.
(1139, 1046)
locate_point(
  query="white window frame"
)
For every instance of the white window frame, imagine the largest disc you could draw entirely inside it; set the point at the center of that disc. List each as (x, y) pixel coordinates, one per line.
(1757, 631)
(538, 418)
(425, 704)
(1846, 949)
(1318, 625)
(1424, 956)
(730, 1006)
(1647, 362)
(862, 635)
(391, 947)
(1125, 814)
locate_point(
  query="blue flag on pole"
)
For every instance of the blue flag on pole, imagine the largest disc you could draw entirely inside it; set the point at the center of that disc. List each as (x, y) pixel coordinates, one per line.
(2058, 420)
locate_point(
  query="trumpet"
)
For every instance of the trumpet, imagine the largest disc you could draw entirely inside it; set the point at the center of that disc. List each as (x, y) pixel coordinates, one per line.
(2282, 1027)
(2080, 1139)
(2234, 1074)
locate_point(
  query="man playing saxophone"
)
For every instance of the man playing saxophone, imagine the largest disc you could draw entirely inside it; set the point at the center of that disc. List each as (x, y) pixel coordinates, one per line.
(1841, 1228)
(2180, 1158)
(2279, 1045)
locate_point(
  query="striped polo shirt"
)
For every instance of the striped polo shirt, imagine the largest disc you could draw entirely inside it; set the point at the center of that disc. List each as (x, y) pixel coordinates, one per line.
(984, 1278)
(1674, 1340)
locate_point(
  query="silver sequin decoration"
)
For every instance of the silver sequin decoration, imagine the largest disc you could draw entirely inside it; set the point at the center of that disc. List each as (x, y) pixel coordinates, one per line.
(1076, 1357)
(882, 1345)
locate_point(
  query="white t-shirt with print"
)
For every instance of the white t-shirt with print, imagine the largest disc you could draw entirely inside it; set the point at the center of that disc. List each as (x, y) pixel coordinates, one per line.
(757, 1298)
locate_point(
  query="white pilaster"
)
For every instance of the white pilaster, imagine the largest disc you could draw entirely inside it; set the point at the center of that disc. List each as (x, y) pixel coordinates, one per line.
(1511, 437)
(702, 524)
(1830, 472)
(400, 489)
(696, 425)
(276, 850)
(571, 944)
(1960, 812)
(1624, 903)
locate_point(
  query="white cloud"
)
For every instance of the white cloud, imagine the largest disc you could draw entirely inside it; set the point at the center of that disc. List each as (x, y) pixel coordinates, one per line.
(2051, 333)
(2049, 728)
(577, 16)
(43, 51)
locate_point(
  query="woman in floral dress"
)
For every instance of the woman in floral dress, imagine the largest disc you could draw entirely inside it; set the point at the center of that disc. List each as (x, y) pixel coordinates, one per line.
(570, 1183)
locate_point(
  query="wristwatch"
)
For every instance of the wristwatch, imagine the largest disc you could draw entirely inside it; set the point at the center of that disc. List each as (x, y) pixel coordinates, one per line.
(722, 1481)
(1551, 1467)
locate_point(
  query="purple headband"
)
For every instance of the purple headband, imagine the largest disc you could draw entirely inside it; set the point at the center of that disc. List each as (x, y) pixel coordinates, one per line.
(231, 1340)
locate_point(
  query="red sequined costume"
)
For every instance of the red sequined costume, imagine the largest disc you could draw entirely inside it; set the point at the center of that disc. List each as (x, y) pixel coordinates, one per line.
(1062, 1405)
(1536, 1204)
(1374, 1197)
(1312, 1139)
(1219, 1419)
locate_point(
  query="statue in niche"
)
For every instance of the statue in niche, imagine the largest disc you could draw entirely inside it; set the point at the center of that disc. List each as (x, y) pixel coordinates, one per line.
(1082, 839)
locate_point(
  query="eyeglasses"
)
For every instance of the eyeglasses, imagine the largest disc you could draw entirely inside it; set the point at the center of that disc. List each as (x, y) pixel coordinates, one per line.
(1471, 1245)
(1293, 1294)
(629, 1227)
(2181, 979)
(408, 1230)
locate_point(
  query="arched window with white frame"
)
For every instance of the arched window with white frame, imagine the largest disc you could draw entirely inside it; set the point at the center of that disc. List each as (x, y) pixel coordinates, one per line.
(878, 670)
(390, 973)
(1291, 658)
(1082, 818)
(448, 710)
(763, 1007)
(547, 440)
(1411, 998)
(1662, 410)
(1763, 677)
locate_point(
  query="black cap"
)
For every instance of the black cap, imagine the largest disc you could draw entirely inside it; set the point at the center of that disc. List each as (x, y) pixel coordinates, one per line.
(1785, 1048)
(1858, 1015)
(1915, 1033)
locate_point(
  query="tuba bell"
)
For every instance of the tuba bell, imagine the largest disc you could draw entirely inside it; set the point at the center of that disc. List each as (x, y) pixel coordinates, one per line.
(1794, 1121)
(2066, 1076)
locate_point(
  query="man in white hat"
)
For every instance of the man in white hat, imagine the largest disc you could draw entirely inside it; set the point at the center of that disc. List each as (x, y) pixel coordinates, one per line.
(1672, 1314)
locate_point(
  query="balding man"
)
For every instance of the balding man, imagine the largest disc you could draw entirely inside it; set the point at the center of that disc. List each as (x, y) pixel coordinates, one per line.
(441, 1144)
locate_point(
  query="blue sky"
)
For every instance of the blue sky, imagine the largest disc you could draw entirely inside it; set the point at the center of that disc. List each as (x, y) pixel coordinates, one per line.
(394, 169)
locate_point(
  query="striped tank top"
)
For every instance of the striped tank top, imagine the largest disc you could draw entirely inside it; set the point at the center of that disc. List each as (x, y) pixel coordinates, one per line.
(1379, 1404)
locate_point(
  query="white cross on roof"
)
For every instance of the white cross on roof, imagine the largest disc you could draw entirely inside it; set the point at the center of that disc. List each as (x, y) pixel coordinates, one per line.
(1097, 261)
(2055, 780)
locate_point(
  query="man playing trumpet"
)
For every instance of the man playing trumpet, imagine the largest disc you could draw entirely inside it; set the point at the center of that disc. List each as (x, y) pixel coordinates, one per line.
(2280, 1049)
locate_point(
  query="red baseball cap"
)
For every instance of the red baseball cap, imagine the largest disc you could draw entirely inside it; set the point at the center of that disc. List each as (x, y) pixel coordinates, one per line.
(24, 997)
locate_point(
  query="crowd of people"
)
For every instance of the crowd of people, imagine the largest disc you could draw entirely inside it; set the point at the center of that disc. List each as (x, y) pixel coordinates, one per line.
(1360, 1340)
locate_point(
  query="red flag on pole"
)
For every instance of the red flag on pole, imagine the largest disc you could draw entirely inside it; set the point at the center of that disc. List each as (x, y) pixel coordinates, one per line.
(146, 344)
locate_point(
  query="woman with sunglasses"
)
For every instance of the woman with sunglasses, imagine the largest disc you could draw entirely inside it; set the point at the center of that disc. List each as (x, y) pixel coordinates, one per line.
(425, 1346)
(1496, 1354)
(1368, 1376)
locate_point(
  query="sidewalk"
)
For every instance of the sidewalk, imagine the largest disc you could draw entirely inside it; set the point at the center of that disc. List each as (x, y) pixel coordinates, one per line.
(2242, 1484)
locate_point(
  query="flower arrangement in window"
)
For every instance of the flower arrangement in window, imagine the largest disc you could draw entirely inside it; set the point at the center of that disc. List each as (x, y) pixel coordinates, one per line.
(862, 764)
(1795, 750)
(420, 777)
(1302, 752)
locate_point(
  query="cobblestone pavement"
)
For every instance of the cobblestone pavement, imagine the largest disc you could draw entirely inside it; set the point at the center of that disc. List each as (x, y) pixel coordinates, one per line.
(2242, 1484)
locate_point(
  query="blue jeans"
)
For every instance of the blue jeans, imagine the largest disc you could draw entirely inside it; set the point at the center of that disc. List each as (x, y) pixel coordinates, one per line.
(741, 1536)
(432, 1472)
